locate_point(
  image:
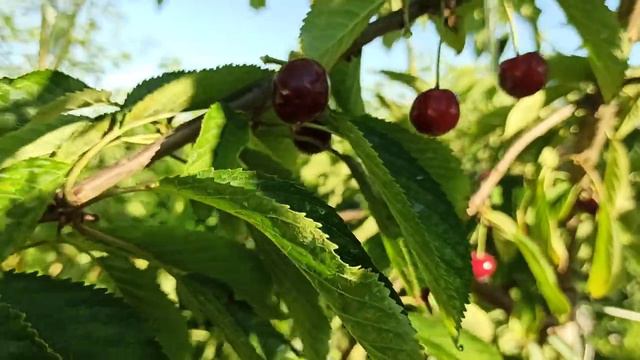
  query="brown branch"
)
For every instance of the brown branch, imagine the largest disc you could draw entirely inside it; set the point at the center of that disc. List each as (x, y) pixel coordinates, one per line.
(478, 199)
(256, 98)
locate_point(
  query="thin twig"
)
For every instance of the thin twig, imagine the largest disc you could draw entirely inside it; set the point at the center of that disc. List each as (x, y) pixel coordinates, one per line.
(478, 199)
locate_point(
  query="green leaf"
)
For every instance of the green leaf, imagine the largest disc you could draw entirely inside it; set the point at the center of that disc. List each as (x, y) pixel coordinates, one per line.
(354, 294)
(411, 81)
(615, 199)
(257, 4)
(331, 26)
(77, 321)
(38, 138)
(82, 140)
(437, 159)
(630, 123)
(71, 101)
(572, 69)
(205, 296)
(26, 188)
(455, 38)
(261, 162)
(523, 114)
(185, 91)
(18, 340)
(540, 267)
(434, 336)
(235, 136)
(200, 252)
(545, 229)
(301, 298)
(201, 155)
(427, 219)
(345, 86)
(603, 39)
(140, 289)
(24, 97)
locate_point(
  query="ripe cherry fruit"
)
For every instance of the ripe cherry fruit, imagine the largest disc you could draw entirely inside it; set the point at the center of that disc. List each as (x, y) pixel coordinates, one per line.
(300, 91)
(435, 112)
(311, 140)
(590, 206)
(523, 75)
(483, 266)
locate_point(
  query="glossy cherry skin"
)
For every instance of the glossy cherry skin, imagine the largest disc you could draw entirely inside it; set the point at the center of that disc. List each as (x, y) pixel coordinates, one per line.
(311, 140)
(523, 75)
(483, 266)
(435, 112)
(300, 91)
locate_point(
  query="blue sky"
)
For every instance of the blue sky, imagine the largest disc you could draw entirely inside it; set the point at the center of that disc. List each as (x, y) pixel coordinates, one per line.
(208, 33)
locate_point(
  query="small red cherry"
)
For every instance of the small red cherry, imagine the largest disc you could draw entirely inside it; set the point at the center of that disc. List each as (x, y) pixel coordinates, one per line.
(483, 266)
(523, 75)
(589, 206)
(300, 91)
(435, 112)
(311, 140)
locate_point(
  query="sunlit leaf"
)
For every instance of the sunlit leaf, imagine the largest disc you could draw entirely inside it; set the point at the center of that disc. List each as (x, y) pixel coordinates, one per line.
(354, 294)
(427, 219)
(26, 188)
(603, 39)
(331, 26)
(201, 155)
(538, 264)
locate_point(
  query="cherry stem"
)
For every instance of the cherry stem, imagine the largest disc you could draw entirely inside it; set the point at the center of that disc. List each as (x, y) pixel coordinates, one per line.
(482, 239)
(271, 60)
(438, 64)
(508, 8)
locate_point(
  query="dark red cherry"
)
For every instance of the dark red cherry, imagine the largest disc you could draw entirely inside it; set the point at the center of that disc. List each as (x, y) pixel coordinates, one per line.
(523, 75)
(311, 140)
(300, 91)
(589, 206)
(435, 112)
(483, 266)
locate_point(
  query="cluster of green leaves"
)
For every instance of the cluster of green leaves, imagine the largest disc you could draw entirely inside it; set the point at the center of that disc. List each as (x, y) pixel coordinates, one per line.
(273, 243)
(226, 252)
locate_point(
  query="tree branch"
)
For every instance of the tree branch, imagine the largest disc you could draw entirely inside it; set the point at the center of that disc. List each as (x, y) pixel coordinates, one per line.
(480, 197)
(256, 98)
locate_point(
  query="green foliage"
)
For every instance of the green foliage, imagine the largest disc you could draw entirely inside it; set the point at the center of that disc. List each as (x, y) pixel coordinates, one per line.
(203, 253)
(355, 295)
(538, 264)
(41, 96)
(603, 39)
(345, 86)
(331, 26)
(18, 340)
(434, 233)
(184, 91)
(64, 312)
(434, 336)
(38, 138)
(616, 199)
(523, 114)
(26, 188)
(301, 298)
(207, 298)
(201, 156)
(140, 289)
